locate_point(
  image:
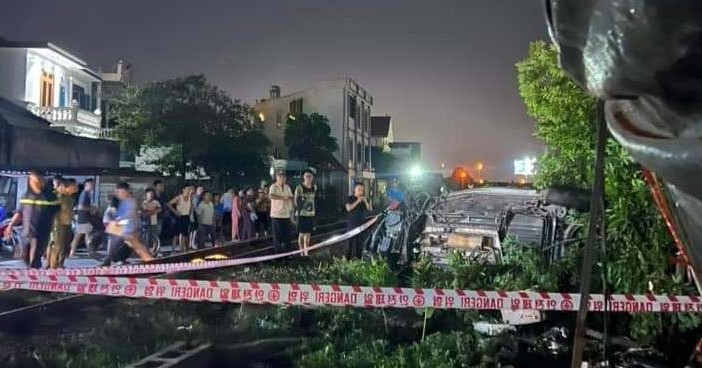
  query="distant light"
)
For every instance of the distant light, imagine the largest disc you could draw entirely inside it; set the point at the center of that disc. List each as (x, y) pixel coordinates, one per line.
(464, 174)
(292, 117)
(443, 165)
(479, 166)
(261, 116)
(415, 171)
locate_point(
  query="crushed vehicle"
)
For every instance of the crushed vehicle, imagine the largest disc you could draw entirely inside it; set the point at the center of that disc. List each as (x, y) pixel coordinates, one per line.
(476, 222)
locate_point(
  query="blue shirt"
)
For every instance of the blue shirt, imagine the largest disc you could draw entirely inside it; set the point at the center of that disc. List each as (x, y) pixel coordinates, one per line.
(127, 215)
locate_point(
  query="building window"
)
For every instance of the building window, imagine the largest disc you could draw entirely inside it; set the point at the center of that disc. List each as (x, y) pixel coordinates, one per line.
(278, 117)
(359, 154)
(352, 107)
(296, 107)
(84, 100)
(46, 93)
(349, 147)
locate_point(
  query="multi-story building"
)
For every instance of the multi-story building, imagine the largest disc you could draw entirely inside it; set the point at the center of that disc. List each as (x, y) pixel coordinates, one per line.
(348, 108)
(52, 83)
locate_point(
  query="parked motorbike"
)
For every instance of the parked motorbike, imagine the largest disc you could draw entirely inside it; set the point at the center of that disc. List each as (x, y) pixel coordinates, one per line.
(10, 247)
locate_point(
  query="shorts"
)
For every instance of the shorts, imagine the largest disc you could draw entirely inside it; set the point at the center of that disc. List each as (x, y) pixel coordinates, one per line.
(305, 224)
(182, 225)
(85, 228)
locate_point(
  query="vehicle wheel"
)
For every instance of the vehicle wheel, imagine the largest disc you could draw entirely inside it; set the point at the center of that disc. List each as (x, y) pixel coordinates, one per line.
(155, 247)
(97, 246)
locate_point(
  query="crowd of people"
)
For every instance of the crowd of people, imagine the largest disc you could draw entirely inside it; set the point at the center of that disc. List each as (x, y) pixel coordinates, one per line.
(62, 216)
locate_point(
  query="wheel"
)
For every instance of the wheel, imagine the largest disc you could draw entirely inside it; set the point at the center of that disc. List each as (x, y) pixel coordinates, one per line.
(97, 246)
(155, 246)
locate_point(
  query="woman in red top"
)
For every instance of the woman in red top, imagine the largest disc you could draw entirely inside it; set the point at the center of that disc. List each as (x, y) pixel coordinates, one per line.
(236, 215)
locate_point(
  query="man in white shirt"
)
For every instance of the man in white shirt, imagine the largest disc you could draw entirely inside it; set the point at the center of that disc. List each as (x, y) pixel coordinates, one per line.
(281, 211)
(226, 202)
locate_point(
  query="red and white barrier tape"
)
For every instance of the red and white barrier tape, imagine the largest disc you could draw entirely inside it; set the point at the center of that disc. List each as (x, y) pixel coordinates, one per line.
(343, 295)
(146, 269)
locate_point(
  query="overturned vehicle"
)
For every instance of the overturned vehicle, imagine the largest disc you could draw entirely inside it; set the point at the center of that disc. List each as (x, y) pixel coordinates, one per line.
(476, 223)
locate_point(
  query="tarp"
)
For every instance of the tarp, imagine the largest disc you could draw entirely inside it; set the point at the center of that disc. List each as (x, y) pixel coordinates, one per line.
(27, 140)
(645, 58)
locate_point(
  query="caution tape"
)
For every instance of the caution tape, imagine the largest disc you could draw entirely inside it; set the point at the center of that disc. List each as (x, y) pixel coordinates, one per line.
(146, 269)
(344, 295)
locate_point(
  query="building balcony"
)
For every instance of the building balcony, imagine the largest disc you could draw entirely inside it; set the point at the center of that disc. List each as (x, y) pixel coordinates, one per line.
(74, 119)
(108, 133)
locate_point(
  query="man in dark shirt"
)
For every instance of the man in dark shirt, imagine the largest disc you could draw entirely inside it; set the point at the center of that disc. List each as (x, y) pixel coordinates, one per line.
(160, 196)
(37, 210)
(84, 211)
(62, 234)
(357, 207)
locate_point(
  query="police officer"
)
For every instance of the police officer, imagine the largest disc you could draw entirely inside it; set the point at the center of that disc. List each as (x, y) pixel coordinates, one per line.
(36, 211)
(62, 234)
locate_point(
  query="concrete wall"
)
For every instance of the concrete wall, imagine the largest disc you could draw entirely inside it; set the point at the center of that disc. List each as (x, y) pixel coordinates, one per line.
(13, 64)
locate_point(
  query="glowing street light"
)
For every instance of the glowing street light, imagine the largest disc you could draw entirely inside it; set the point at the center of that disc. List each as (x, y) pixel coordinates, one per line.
(443, 165)
(415, 171)
(479, 166)
(261, 116)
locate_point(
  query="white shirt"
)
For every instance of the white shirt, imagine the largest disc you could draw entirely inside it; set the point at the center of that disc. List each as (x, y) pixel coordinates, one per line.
(226, 202)
(281, 208)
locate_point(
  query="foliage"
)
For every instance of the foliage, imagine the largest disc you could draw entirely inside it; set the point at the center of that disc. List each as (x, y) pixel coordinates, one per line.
(308, 138)
(197, 125)
(638, 245)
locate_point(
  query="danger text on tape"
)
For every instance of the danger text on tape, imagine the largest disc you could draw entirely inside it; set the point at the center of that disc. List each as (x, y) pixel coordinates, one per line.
(346, 295)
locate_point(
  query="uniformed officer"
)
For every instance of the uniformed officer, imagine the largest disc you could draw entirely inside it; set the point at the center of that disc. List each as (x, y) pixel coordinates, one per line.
(36, 211)
(62, 234)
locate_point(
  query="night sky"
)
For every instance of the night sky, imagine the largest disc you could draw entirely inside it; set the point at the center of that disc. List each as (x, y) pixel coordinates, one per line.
(444, 70)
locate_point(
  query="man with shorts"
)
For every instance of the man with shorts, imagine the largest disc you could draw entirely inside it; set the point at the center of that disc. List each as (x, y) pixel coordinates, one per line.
(62, 234)
(36, 211)
(126, 224)
(281, 212)
(305, 195)
(181, 206)
(84, 211)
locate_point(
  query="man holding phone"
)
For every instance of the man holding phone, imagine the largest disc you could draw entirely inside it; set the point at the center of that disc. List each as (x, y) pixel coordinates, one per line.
(358, 207)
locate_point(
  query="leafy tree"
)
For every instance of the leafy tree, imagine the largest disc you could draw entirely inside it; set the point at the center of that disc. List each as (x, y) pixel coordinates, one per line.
(308, 138)
(638, 245)
(199, 127)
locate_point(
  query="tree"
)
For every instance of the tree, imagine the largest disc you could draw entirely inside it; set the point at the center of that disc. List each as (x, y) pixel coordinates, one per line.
(308, 138)
(196, 125)
(638, 245)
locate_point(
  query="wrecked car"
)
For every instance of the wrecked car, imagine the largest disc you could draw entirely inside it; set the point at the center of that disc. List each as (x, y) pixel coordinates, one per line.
(476, 222)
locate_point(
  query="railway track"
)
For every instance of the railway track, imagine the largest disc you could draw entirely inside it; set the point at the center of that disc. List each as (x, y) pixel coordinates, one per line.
(19, 309)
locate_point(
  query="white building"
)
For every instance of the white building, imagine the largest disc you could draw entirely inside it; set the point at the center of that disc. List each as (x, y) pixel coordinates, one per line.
(348, 108)
(382, 133)
(53, 84)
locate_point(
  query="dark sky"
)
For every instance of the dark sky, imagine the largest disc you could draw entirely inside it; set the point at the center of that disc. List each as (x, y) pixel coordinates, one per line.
(444, 70)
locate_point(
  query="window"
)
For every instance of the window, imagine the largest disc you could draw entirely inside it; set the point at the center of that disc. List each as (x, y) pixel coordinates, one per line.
(46, 92)
(295, 107)
(79, 95)
(352, 107)
(359, 154)
(349, 147)
(278, 122)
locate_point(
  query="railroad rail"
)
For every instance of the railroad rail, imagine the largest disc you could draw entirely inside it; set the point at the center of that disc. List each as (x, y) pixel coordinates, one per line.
(21, 319)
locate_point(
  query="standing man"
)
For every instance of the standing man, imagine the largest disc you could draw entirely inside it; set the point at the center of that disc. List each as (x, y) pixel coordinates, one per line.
(62, 234)
(37, 210)
(150, 208)
(126, 224)
(205, 220)
(263, 213)
(160, 196)
(305, 195)
(182, 206)
(281, 211)
(357, 207)
(226, 202)
(84, 211)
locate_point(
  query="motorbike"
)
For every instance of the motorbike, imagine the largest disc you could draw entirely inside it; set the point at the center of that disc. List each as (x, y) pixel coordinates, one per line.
(10, 247)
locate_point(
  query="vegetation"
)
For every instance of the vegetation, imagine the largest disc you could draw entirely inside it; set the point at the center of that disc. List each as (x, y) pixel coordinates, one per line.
(638, 245)
(308, 138)
(196, 126)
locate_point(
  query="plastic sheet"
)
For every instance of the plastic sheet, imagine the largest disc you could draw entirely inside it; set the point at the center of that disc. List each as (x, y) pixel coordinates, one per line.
(645, 58)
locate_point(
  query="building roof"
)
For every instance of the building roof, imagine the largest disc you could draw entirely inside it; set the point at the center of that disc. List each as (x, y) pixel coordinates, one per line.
(380, 126)
(50, 46)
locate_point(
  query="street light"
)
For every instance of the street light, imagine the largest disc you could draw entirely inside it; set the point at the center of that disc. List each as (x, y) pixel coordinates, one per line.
(479, 166)
(415, 172)
(261, 117)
